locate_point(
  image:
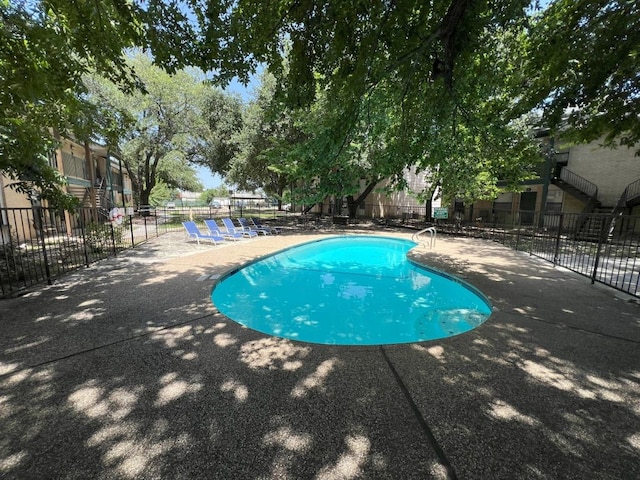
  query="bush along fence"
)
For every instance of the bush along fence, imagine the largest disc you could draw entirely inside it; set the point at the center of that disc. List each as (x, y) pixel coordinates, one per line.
(605, 248)
(39, 244)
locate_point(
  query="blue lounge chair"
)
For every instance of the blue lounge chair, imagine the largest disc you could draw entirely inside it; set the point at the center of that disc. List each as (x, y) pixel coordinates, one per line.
(194, 232)
(247, 227)
(231, 228)
(257, 224)
(215, 229)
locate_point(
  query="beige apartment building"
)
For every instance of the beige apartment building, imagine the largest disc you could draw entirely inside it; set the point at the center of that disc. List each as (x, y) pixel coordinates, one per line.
(94, 174)
(584, 178)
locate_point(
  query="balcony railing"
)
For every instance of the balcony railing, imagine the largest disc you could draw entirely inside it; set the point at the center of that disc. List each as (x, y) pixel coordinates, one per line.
(74, 166)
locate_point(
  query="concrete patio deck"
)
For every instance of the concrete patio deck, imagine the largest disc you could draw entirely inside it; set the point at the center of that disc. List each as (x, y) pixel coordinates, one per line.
(126, 370)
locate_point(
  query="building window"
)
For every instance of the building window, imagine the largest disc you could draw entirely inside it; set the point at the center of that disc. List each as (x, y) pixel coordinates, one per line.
(553, 207)
(502, 206)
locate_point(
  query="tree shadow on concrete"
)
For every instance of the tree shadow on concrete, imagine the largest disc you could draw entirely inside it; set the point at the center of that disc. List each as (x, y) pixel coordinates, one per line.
(132, 373)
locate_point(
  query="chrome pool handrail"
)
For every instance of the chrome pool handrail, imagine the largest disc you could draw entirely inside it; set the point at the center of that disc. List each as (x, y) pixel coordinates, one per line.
(432, 236)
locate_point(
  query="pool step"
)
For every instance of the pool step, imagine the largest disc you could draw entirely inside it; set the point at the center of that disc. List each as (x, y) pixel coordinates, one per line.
(449, 321)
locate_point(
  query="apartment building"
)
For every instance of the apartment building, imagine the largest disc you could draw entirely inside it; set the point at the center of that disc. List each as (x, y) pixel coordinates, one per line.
(584, 178)
(94, 175)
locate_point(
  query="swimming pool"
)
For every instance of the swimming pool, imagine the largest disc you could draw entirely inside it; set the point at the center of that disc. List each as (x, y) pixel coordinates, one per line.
(349, 290)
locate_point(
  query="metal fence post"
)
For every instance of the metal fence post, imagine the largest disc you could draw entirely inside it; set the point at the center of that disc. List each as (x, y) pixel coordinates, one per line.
(557, 247)
(133, 240)
(534, 233)
(146, 235)
(113, 238)
(84, 237)
(597, 261)
(40, 223)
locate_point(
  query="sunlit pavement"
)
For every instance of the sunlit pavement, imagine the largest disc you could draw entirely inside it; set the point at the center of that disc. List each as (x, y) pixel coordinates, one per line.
(126, 370)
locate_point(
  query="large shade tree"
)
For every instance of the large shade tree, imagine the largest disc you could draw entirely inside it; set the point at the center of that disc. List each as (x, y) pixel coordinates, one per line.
(462, 142)
(166, 128)
(381, 87)
(266, 143)
(572, 56)
(459, 68)
(582, 60)
(217, 145)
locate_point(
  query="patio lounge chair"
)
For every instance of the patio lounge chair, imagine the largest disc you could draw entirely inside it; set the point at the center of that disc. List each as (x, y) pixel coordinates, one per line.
(247, 227)
(231, 228)
(257, 224)
(194, 232)
(214, 229)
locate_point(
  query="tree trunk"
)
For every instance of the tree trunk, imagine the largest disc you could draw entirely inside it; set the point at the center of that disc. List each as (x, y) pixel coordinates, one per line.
(353, 204)
(144, 196)
(427, 212)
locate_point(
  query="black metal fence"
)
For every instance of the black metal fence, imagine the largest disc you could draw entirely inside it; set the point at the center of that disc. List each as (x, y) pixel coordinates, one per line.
(605, 248)
(39, 244)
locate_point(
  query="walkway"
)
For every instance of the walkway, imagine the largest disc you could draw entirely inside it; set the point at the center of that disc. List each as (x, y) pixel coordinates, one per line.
(126, 370)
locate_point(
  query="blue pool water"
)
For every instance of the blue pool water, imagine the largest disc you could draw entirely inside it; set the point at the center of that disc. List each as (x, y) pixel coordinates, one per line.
(351, 290)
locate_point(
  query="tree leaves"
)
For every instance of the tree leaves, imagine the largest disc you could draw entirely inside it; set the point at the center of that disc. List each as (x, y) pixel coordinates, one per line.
(46, 48)
(369, 86)
(176, 122)
(583, 59)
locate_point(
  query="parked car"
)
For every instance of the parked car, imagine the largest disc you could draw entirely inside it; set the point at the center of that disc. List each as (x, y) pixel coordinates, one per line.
(286, 207)
(215, 204)
(171, 205)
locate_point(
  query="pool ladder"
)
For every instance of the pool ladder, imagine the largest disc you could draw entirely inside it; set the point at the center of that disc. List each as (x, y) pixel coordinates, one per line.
(432, 236)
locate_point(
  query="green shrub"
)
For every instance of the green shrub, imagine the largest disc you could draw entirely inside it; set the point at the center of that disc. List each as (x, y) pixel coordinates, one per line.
(101, 237)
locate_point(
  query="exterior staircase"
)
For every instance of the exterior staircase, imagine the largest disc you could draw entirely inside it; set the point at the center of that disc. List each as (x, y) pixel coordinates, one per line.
(629, 199)
(596, 222)
(99, 194)
(596, 225)
(578, 187)
(591, 222)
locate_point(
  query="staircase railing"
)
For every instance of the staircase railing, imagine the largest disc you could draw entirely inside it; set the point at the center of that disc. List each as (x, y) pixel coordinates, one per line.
(632, 192)
(103, 204)
(582, 184)
(588, 188)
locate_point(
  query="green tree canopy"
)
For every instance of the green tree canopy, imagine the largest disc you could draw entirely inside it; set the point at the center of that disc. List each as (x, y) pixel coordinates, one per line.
(459, 66)
(265, 145)
(582, 64)
(47, 46)
(222, 114)
(462, 141)
(377, 87)
(571, 56)
(161, 131)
